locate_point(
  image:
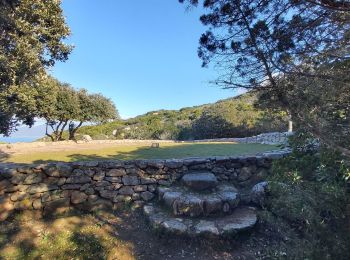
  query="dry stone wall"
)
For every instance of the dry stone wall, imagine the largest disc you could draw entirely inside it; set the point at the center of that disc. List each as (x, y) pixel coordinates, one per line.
(92, 185)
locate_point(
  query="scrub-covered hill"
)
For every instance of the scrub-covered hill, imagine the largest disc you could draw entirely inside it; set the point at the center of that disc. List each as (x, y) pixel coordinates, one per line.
(233, 117)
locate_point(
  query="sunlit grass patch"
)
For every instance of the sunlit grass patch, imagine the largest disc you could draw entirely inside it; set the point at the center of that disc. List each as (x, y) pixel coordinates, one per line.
(126, 152)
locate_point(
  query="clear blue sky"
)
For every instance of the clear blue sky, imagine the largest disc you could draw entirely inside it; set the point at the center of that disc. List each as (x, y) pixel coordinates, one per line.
(142, 54)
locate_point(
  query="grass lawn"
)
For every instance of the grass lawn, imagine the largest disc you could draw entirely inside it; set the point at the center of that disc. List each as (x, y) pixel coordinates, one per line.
(127, 152)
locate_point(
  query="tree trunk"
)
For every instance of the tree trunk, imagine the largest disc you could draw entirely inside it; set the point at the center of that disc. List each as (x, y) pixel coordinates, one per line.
(72, 133)
(290, 122)
(61, 131)
(47, 133)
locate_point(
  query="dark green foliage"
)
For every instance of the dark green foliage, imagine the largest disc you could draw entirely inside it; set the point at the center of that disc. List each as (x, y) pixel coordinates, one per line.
(234, 117)
(295, 51)
(62, 106)
(309, 197)
(32, 39)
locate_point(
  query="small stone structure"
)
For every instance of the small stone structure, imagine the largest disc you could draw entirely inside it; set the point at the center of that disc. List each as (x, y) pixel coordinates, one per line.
(273, 138)
(92, 185)
(200, 206)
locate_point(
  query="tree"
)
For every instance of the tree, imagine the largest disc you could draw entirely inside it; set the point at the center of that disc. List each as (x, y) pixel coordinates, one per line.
(32, 34)
(66, 108)
(61, 106)
(259, 44)
(94, 108)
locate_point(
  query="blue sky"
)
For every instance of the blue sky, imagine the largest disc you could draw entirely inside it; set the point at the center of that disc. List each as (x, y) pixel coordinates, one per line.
(142, 54)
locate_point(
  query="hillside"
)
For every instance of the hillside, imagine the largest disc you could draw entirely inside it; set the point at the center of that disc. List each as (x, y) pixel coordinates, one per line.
(232, 117)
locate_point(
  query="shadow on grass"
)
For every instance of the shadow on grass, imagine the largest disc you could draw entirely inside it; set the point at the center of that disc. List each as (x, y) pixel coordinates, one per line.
(122, 234)
(4, 156)
(178, 151)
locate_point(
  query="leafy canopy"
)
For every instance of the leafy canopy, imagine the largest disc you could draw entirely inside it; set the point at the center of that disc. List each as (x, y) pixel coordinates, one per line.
(32, 39)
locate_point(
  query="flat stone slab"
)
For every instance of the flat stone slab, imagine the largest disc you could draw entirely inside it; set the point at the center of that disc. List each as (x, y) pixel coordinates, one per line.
(200, 181)
(184, 202)
(242, 219)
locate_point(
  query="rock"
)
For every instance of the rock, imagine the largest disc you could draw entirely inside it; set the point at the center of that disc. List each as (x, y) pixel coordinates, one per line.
(159, 164)
(4, 184)
(212, 205)
(113, 179)
(130, 180)
(126, 191)
(136, 196)
(174, 226)
(146, 195)
(55, 180)
(226, 207)
(6, 208)
(108, 194)
(78, 197)
(132, 171)
(90, 191)
(52, 206)
(173, 164)
(200, 181)
(151, 188)
(189, 206)
(71, 187)
(244, 174)
(258, 193)
(58, 170)
(78, 179)
(145, 180)
(37, 204)
(122, 198)
(102, 184)
(86, 138)
(17, 196)
(33, 178)
(169, 197)
(42, 187)
(164, 183)
(18, 178)
(206, 228)
(140, 188)
(98, 176)
(230, 197)
(116, 172)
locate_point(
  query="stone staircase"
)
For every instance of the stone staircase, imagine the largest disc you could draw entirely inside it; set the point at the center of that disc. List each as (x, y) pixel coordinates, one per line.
(199, 205)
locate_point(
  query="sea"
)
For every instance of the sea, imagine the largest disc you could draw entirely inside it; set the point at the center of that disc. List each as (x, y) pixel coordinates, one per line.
(25, 139)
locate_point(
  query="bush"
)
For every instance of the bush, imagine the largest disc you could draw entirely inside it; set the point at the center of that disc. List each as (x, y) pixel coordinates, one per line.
(313, 202)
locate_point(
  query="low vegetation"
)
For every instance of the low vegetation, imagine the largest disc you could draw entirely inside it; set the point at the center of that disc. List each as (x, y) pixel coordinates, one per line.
(308, 207)
(233, 117)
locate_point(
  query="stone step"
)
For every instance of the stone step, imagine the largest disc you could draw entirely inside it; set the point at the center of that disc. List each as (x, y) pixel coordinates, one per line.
(200, 180)
(184, 202)
(242, 219)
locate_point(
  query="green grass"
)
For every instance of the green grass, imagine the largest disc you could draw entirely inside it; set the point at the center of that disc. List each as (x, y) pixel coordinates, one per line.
(128, 152)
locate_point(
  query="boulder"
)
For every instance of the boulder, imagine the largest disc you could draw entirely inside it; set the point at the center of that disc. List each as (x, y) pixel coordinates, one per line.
(78, 197)
(146, 195)
(116, 172)
(130, 180)
(258, 193)
(86, 138)
(200, 181)
(126, 191)
(42, 187)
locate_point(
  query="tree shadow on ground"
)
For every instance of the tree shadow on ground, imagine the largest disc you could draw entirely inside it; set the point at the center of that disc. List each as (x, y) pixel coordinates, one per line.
(104, 234)
(174, 152)
(4, 156)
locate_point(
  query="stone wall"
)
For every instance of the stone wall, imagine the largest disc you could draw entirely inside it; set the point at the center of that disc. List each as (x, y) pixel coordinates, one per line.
(273, 138)
(91, 185)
